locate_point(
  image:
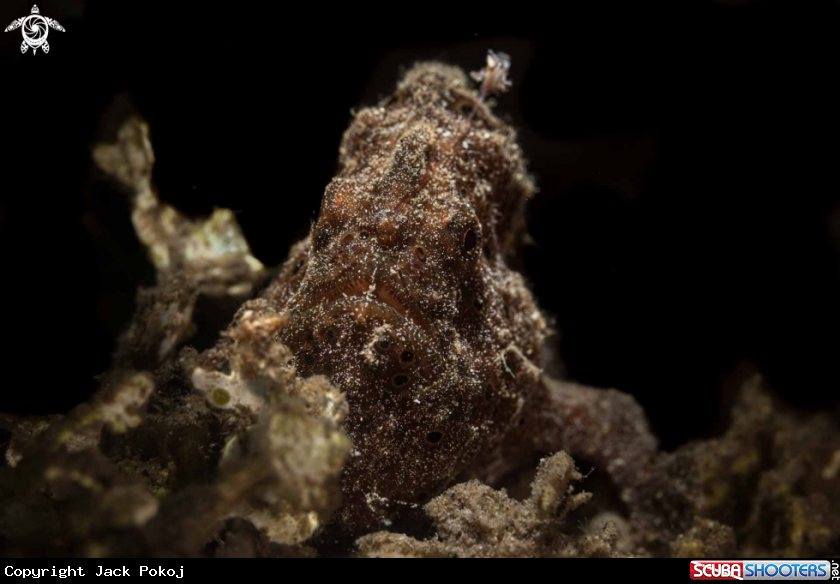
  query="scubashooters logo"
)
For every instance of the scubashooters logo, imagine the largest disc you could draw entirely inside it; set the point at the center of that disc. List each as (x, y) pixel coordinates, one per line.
(35, 29)
(763, 570)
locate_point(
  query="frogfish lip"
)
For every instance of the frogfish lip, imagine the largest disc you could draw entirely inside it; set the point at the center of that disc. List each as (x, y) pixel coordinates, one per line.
(376, 292)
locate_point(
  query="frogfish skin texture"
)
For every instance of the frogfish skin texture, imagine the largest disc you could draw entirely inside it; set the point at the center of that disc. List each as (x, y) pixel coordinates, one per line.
(402, 296)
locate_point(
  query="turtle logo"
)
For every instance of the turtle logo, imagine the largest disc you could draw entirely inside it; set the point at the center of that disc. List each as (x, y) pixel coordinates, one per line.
(35, 30)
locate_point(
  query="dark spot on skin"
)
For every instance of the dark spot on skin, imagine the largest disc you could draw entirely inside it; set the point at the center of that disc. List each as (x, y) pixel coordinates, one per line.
(320, 239)
(422, 497)
(400, 379)
(420, 253)
(434, 437)
(478, 303)
(470, 240)
(383, 344)
(407, 356)
(309, 359)
(521, 422)
(488, 392)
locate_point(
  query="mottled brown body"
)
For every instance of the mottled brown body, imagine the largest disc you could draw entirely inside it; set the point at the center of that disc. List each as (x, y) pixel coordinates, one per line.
(402, 297)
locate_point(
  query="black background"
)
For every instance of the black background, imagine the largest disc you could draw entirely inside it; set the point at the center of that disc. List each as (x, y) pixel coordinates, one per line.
(682, 228)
